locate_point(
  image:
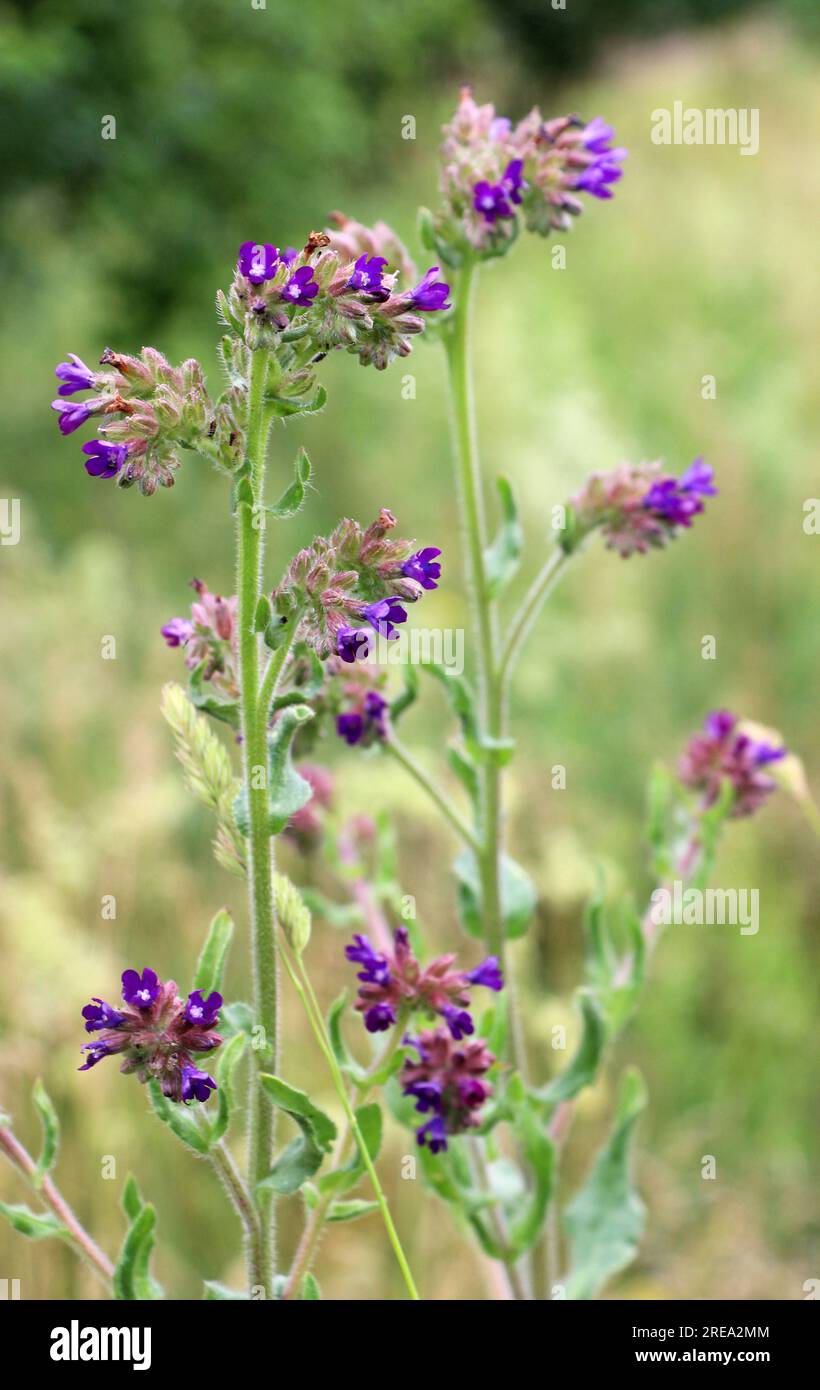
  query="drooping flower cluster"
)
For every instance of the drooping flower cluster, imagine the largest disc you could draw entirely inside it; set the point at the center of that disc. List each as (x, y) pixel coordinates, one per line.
(637, 506)
(149, 411)
(365, 722)
(209, 638)
(447, 1083)
(396, 984)
(722, 752)
(156, 1034)
(338, 292)
(497, 176)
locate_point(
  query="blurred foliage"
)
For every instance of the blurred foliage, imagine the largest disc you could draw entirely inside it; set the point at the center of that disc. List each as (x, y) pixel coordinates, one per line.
(236, 123)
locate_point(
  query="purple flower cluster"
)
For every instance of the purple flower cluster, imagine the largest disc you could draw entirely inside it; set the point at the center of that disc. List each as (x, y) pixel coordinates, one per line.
(353, 642)
(722, 752)
(150, 409)
(157, 1034)
(640, 508)
(210, 638)
(496, 174)
(365, 723)
(447, 1083)
(396, 984)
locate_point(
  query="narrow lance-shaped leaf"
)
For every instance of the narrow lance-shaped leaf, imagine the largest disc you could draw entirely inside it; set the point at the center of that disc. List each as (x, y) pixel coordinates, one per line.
(503, 557)
(301, 1159)
(230, 1054)
(293, 498)
(604, 1221)
(132, 1276)
(527, 1215)
(582, 1069)
(341, 1180)
(51, 1132)
(214, 953)
(37, 1225)
(179, 1119)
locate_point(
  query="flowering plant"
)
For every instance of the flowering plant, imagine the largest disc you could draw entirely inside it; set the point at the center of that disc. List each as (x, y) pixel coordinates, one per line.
(286, 662)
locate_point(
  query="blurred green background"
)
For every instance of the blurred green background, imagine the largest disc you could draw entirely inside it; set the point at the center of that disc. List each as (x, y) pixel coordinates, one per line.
(236, 123)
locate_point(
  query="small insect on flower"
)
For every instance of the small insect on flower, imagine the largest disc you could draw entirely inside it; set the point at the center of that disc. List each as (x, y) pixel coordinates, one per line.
(157, 1034)
(396, 984)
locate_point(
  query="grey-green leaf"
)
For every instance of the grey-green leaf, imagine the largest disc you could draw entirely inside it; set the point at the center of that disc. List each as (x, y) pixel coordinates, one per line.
(582, 1069)
(230, 1055)
(214, 953)
(51, 1132)
(34, 1224)
(503, 557)
(518, 895)
(605, 1220)
(132, 1276)
(293, 499)
(179, 1119)
(349, 1211)
(302, 1158)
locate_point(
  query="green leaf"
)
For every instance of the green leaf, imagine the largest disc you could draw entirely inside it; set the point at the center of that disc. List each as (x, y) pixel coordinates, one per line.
(285, 405)
(408, 695)
(288, 792)
(518, 895)
(337, 1042)
(263, 613)
(582, 1069)
(349, 1211)
(132, 1276)
(503, 557)
(51, 1132)
(302, 1158)
(214, 953)
(340, 1180)
(209, 701)
(236, 1018)
(466, 771)
(293, 498)
(214, 1290)
(230, 1055)
(605, 1219)
(310, 1291)
(179, 1120)
(537, 1149)
(659, 801)
(462, 699)
(33, 1224)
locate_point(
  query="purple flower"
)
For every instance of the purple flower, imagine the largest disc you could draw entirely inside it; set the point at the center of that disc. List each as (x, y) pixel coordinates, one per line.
(720, 752)
(458, 1021)
(597, 177)
(379, 1018)
(203, 1012)
(140, 990)
(177, 632)
(301, 288)
(376, 968)
(500, 128)
(426, 1093)
(719, 723)
(433, 1134)
(596, 136)
(258, 261)
(196, 1084)
(97, 1051)
(72, 414)
(424, 567)
(352, 643)
(513, 181)
(367, 276)
(487, 974)
(75, 375)
(490, 199)
(430, 294)
(350, 727)
(104, 460)
(677, 500)
(383, 614)
(288, 256)
(101, 1015)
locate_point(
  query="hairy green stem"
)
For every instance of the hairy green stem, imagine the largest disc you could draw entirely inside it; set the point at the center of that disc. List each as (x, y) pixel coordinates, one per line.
(473, 525)
(260, 850)
(435, 793)
(521, 625)
(224, 1164)
(84, 1245)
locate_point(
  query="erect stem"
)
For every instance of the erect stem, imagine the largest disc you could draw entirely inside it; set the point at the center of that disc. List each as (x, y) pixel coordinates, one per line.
(468, 474)
(225, 1166)
(83, 1243)
(435, 793)
(521, 625)
(261, 1264)
(304, 989)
